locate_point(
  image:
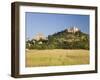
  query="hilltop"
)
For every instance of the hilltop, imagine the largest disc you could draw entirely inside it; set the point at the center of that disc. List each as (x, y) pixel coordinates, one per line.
(71, 38)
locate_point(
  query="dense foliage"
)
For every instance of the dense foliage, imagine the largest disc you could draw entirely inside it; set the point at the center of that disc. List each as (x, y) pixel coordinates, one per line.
(61, 40)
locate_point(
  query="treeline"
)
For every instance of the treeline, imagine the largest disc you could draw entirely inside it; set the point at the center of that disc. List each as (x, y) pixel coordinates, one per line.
(61, 40)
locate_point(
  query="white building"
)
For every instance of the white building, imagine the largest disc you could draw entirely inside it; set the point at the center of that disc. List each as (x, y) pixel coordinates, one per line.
(73, 29)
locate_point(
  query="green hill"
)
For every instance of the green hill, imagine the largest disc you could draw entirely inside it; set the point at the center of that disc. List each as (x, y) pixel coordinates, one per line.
(65, 39)
(61, 40)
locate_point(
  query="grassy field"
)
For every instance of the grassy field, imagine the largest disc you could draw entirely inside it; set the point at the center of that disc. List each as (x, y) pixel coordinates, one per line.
(56, 57)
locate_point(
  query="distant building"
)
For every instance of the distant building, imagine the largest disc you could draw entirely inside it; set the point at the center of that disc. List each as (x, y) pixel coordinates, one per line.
(40, 36)
(73, 30)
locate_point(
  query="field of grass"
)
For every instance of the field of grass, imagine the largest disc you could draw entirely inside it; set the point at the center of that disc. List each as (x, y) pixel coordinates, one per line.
(56, 57)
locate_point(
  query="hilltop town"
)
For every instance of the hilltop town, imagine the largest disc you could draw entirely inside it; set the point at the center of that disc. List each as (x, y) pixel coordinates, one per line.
(40, 36)
(67, 39)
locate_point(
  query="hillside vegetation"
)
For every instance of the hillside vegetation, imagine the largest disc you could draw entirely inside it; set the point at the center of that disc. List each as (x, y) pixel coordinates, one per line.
(61, 40)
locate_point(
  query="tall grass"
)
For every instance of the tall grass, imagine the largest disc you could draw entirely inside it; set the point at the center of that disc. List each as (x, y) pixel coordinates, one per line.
(56, 57)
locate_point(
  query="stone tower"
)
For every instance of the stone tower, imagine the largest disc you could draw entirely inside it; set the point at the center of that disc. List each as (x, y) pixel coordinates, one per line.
(39, 36)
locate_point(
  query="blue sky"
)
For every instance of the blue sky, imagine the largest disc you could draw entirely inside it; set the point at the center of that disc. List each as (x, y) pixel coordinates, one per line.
(51, 23)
